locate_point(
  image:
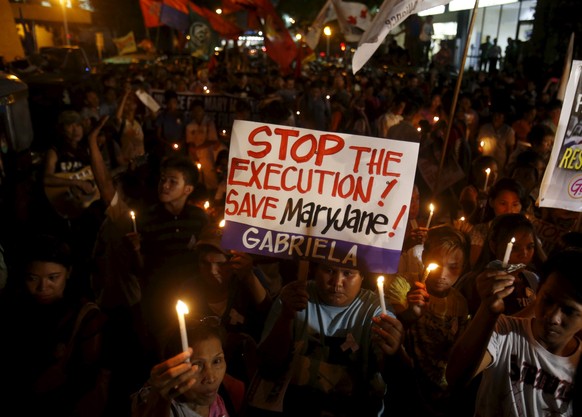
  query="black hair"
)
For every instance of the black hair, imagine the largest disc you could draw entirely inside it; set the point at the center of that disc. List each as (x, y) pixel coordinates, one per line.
(47, 248)
(504, 184)
(564, 263)
(196, 103)
(170, 94)
(537, 134)
(447, 237)
(197, 331)
(181, 164)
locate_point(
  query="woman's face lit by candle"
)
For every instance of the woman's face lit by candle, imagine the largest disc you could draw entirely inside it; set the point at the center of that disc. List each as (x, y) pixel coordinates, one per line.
(46, 281)
(506, 202)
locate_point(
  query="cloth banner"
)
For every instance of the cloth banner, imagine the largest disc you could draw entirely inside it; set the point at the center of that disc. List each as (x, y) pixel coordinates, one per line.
(392, 13)
(175, 14)
(125, 44)
(326, 14)
(562, 183)
(151, 12)
(304, 194)
(222, 26)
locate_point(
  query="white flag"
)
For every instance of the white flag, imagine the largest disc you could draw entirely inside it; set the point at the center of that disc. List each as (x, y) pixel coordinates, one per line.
(325, 15)
(353, 19)
(392, 13)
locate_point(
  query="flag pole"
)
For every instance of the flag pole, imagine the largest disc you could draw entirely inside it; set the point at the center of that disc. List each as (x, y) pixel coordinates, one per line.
(455, 98)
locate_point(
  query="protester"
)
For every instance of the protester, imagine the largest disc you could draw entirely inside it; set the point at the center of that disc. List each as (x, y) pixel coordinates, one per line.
(510, 352)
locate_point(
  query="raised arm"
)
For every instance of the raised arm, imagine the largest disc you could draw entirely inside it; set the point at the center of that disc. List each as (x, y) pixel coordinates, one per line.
(469, 356)
(100, 172)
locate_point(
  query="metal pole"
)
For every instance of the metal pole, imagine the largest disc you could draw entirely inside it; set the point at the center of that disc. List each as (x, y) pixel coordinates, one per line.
(455, 98)
(67, 40)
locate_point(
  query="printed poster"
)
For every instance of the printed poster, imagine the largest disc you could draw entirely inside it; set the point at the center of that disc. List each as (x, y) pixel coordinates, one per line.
(562, 183)
(312, 195)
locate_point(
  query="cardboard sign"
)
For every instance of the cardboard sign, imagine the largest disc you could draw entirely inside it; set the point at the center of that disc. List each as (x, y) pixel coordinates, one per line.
(306, 194)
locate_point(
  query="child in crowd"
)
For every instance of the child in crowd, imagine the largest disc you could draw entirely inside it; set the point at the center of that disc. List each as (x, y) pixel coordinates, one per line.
(434, 314)
(526, 250)
(528, 364)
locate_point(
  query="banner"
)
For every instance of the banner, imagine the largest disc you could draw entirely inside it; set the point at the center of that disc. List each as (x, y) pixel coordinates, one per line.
(125, 44)
(307, 194)
(151, 12)
(326, 14)
(392, 13)
(562, 183)
(220, 107)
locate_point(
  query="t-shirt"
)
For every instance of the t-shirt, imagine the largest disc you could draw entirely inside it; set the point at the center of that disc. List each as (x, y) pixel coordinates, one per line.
(525, 379)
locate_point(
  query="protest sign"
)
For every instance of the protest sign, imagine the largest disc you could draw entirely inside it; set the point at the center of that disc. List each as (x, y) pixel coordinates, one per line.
(313, 195)
(562, 183)
(220, 107)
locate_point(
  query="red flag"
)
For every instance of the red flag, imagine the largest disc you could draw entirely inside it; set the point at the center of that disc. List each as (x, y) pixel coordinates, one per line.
(278, 41)
(151, 12)
(221, 25)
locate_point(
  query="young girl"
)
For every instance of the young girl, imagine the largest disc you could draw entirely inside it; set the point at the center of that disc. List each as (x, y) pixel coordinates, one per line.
(193, 383)
(434, 314)
(526, 250)
(505, 196)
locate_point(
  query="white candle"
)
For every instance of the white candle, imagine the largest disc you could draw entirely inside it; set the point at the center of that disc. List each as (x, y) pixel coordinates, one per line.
(430, 215)
(132, 214)
(428, 270)
(182, 309)
(380, 283)
(508, 252)
(487, 171)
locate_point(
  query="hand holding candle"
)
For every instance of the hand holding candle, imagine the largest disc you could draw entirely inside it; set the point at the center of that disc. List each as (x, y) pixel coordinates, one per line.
(487, 172)
(182, 309)
(427, 271)
(132, 214)
(380, 283)
(508, 250)
(431, 207)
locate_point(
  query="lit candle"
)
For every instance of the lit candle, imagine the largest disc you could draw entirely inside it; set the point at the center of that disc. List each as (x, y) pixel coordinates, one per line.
(222, 223)
(176, 146)
(132, 214)
(182, 309)
(508, 252)
(482, 146)
(380, 283)
(419, 129)
(223, 132)
(487, 171)
(428, 270)
(206, 205)
(199, 166)
(431, 207)
(435, 119)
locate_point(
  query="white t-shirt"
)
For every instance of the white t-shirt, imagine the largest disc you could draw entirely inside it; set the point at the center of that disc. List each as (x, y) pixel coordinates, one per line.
(524, 378)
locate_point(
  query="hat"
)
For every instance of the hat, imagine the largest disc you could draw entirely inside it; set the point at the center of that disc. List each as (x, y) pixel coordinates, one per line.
(68, 117)
(211, 235)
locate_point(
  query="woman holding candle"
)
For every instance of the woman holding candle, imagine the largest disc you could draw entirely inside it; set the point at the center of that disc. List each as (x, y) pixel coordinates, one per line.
(434, 315)
(526, 250)
(473, 196)
(193, 383)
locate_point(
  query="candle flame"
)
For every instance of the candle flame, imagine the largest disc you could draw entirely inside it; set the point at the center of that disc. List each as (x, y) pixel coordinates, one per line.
(488, 171)
(206, 205)
(380, 280)
(436, 118)
(462, 219)
(223, 131)
(175, 146)
(199, 165)
(222, 223)
(132, 214)
(431, 267)
(431, 207)
(482, 143)
(512, 240)
(181, 307)
(419, 129)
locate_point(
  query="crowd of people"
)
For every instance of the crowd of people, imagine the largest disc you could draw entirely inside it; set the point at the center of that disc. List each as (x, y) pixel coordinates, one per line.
(123, 220)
